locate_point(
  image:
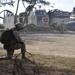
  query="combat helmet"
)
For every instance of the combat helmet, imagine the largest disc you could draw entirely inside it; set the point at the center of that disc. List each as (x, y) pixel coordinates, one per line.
(19, 25)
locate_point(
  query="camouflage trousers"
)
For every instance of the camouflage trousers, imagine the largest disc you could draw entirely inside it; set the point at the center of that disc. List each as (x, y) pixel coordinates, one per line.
(10, 50)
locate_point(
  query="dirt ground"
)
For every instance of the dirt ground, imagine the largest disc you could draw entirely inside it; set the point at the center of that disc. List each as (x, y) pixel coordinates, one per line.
(49, 44)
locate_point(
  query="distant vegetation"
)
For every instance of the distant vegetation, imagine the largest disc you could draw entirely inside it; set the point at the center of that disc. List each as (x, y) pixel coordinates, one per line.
(1, 26)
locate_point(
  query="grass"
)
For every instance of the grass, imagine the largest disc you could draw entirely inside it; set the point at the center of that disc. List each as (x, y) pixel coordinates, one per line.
(56, 65)
(47, 65)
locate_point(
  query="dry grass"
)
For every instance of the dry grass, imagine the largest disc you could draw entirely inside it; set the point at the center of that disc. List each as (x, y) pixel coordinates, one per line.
(56, 65)
(54, 54)
(47, 65)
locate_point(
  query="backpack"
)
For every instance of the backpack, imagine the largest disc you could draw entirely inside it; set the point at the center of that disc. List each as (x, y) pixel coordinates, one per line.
(7, 36)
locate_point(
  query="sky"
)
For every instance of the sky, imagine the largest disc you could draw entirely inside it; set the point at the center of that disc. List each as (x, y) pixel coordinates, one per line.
(65, 5)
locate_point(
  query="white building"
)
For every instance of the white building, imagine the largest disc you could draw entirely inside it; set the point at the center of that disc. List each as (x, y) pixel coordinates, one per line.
(39, 18)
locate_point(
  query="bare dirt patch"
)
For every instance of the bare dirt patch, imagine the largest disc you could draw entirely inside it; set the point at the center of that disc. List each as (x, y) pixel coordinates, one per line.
(49, 44)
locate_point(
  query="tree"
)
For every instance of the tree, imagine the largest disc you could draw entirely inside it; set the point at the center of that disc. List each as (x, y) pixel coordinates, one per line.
(73, 9)
(31, 3)
(5, 2)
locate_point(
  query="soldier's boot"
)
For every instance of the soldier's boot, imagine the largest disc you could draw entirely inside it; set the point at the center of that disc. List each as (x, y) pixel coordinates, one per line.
(23, 56)
(10, 54)
(23, 51)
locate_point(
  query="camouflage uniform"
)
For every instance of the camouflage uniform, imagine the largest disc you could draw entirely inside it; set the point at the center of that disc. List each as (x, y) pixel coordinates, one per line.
(17, 43)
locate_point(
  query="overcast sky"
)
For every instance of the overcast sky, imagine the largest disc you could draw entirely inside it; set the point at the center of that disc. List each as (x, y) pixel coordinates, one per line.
(65, 5)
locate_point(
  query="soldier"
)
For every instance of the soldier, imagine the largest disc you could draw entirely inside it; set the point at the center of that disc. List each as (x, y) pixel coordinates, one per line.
(16, 43)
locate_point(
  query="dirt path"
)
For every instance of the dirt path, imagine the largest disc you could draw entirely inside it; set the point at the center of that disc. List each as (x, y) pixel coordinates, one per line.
(50, 44)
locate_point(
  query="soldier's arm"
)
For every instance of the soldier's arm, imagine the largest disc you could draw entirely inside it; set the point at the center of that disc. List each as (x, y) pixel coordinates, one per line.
(17, 36)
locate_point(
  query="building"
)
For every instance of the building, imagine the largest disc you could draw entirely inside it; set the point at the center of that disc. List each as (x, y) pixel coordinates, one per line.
(39, 18)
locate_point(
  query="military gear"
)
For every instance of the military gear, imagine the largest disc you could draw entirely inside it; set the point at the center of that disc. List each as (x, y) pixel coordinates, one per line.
(12, 40)
(7, 37)
(19, 25)
(16, 43)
